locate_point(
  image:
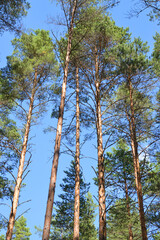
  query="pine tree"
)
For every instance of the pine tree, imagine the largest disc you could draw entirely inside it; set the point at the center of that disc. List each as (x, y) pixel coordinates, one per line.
(120, 187)
(11, 12)
(30, 69)
(71, 16)
(77, 163)
(117, 224)
(63, 218)
(156, 54)
(133, 106)
(151, 182)
(10, 138)
(155, 66)
(101, 35)
(21, 231)
(2, 237)
(72, 10)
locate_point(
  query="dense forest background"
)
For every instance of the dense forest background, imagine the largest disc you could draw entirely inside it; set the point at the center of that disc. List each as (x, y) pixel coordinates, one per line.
(121, 56)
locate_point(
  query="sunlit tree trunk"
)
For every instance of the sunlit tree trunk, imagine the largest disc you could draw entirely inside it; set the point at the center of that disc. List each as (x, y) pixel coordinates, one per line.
(52, 185)
(134, 145)
(77, 165)
(21, 166)
(101, 181)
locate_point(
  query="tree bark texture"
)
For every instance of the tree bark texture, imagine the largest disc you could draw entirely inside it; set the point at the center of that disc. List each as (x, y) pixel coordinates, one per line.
(101, 179)
(134, 145)
(21, 166)
(77, 165)
(52, 185)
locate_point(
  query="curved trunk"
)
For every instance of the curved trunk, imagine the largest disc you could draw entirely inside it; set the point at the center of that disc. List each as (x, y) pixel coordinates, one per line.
(101, 181)
(77, 166)
(134, 145)
(52, 185)
(21, 166)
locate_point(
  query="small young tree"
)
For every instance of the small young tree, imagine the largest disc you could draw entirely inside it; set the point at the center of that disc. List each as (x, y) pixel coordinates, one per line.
(63, 218)
(117, 224)
(21, 231)
(2, 237)
(120, 181)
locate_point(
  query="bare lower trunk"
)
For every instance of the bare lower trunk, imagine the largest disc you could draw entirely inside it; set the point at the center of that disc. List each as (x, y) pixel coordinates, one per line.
(134, 145)
(77, 166)
(101, 181)
(52, 185)
(128, 211)
(20, 169)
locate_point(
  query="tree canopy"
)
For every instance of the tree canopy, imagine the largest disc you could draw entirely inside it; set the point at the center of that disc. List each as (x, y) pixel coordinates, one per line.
(11, 12)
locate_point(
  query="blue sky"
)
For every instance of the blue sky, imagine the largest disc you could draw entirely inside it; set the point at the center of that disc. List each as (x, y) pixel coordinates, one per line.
(37, 181)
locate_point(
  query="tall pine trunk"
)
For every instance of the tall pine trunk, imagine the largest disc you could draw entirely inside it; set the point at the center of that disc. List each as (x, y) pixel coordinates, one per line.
(52, 185)
(128, 210)
(77, 165)
(134, 145)
(101, 181)
(21, 166)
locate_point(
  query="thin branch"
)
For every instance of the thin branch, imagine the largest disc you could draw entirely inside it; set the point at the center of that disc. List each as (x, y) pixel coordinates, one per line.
(24, 202)
(9, 172)
(22, 214)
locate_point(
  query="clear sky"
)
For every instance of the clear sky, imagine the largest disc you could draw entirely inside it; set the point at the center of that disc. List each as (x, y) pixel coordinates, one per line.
(38, 179)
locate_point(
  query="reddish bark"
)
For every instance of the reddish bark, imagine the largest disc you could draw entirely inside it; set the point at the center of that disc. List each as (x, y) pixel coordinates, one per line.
(134, 145)
(21, 166)
(101, 181)
(52, 185)
(77, 166)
